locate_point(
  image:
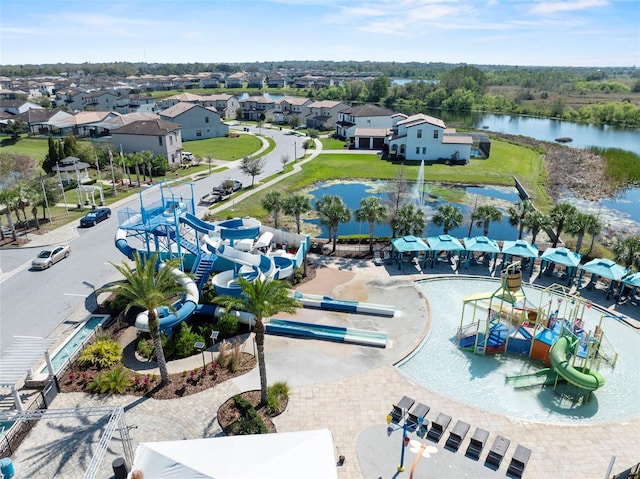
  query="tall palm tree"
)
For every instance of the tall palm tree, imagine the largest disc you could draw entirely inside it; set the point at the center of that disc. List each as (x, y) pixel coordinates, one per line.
(296, 204)
(583, 223)
(627, 251)
(484, 215)
(373, 211)
(332, 212)
(408, 220)
(517, 213)
(262, 298)
(150, 288)
(9, 198)
(273, 203)
(560, 214)
(534, 222)
(447, 216)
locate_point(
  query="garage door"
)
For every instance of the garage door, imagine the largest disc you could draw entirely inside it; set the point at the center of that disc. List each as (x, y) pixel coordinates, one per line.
(378, 143)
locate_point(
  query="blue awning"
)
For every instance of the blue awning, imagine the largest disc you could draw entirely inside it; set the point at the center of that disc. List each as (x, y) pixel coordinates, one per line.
(444, 243)
(520, 248)
(408, 244)
(632, 280)
(482, 244)
(562, 256)
(605, 268)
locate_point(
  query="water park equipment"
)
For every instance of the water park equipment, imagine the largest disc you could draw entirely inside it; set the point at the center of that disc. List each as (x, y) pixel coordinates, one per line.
(504, 321)
(339, 334)
(330, 304)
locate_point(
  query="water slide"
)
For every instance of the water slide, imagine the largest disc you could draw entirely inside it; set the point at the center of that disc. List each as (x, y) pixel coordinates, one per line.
(560, 355)
(539, 378)
(326, 332)
(330, 304)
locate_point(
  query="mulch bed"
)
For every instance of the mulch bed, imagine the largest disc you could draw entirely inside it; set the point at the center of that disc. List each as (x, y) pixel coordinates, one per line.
(228, 413)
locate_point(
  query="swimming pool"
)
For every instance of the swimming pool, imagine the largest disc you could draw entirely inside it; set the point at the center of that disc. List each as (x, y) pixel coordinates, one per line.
(480, 380)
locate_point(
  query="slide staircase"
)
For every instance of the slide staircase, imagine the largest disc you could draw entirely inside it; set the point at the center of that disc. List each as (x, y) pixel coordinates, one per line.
(202, 269)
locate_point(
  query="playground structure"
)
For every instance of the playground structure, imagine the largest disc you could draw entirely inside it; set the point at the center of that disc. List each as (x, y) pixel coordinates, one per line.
(233, 248)
(553, 332)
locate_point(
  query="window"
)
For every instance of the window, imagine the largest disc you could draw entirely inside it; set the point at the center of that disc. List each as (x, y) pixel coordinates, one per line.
(417, 150)
(170, 140)
(435, 134)
(419, 133)
(424, 150)
(206, 119)
(198, 132)
(160, 140)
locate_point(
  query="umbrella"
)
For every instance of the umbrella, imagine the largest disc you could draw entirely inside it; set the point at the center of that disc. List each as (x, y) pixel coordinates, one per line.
(520, 248)
(444, 243)
(482, 244)
(606, 268)
(562, 256)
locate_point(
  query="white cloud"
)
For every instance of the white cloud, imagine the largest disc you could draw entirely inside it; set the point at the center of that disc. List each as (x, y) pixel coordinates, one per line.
(567, 6)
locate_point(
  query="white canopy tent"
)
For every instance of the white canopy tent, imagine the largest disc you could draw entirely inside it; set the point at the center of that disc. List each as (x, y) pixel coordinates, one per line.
(288, 455)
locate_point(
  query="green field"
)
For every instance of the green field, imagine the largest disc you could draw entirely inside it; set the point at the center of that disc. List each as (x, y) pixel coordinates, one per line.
(36, 148)
(224, 148)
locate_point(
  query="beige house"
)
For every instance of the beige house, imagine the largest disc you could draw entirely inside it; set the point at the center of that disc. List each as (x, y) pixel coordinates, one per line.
(160, 137)
(196, 121)
(324, 114)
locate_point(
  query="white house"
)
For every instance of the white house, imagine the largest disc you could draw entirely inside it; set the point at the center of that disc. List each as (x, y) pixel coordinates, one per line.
(99, 101)
(422, 137)
(196, 121)
(365, 126)
(160, 137)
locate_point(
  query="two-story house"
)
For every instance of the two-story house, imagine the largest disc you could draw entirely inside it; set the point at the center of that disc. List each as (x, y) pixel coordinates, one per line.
(323, 115)
(180, 97)
(100, 100)
(136, 104)
(254, 106)
(255, 80)
(365, 126)
(236, 80)
(196, 121)
(289, 106)
(225, 104)
(425, 138)
(160, 137)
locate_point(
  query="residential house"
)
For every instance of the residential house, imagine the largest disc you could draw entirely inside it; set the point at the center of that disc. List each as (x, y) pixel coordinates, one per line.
(100, 100)
(236, 80)
(225, 104)
(160, 137)
(365, 126)
(422, 137)
(323, 115)
(276, 80)
(254, 106)
(136, 103)
(86, 124)
(43, 121)
(317, 81)
(73, 99)
(289, 106)
(16, 107)
(197, 122)
(255, 80)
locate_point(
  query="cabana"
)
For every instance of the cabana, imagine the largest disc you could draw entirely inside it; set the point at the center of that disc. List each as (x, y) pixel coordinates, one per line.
(480, 244)
(564, 257)
(443, 243)
(409, 244)
(519, 248)
(633, 281)
(604, 268)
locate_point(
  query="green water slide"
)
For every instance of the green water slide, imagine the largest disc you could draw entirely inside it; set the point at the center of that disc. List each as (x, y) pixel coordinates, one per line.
(539, 378)
(583, 379)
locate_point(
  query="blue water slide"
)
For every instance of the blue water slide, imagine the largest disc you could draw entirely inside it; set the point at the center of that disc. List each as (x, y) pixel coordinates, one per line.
(123, 245)
(196, 223)
(239, 228)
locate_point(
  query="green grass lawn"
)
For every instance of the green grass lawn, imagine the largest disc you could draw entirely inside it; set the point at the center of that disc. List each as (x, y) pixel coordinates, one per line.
(332, 144)
(224, 148)
(36, 148)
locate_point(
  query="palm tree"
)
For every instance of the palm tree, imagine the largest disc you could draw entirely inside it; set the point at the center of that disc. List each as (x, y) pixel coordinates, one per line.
(561, 214)
(9, 198)
(485, 215)
(332, 212)
(148, 288)
(627, 251)
(273, 203)
(447, 216)
(408, 220)
(583, 223)
(517, 213)
(262, 298)
(373, 211)
(296, 204)
(534, 222)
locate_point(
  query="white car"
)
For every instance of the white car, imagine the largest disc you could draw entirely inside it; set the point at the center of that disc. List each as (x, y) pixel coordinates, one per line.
(48, 257)
(188, 156)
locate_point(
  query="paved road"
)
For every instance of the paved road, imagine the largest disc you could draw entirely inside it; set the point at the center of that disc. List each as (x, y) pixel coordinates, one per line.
(35, 303)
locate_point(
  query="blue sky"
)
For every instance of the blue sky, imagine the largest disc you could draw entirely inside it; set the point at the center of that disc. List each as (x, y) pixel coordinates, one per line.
(506, 32)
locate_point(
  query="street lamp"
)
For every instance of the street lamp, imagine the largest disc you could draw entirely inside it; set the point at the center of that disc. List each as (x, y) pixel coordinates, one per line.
(213, 337)
(199, 345)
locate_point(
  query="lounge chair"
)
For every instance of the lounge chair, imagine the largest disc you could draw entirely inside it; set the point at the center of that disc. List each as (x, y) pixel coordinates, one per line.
(519, 461)
(415, 415)
(401, 408)
(377, 260)
(438, 426)
(478, 440)
(498, 450)
(457, 435)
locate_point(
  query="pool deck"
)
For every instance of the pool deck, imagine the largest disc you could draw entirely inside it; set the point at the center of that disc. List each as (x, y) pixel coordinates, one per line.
(349, 389)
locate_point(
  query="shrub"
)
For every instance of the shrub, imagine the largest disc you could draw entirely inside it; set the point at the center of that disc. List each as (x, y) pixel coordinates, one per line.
(145, 348)
(104, 353)
(249, 422)
(116, 381)
(227, 324)
(235, 357)
(276, 393)
(223, 354)
(298, 275)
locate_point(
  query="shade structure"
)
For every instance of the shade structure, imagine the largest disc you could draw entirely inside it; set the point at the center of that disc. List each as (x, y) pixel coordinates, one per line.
(444, 243)
(481, 244)
(520, 248)
(288, 455)
(408, 244)
(605, 268)
(562, 256)
(632, 280)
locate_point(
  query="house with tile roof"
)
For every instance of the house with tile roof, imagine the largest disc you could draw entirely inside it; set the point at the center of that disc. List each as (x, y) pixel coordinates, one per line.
(101, 100)
(225, 104)
(422, 137)
(43, 121)
(196, 121)
(365, 126)
(323, 115)
(160, 137)
(254, 106)
(289, 106)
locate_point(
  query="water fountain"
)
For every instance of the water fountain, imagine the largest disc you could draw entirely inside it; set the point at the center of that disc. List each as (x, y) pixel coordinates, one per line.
(419, 193)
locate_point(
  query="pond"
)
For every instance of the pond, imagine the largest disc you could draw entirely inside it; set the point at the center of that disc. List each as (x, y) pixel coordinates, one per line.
(352, 193)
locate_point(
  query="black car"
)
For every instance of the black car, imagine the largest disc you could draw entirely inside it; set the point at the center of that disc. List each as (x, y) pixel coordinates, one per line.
(94, 217)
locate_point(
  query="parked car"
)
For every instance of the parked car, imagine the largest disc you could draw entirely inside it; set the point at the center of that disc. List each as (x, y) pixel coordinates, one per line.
(48, 257)
(188, 156)
(94, 217)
